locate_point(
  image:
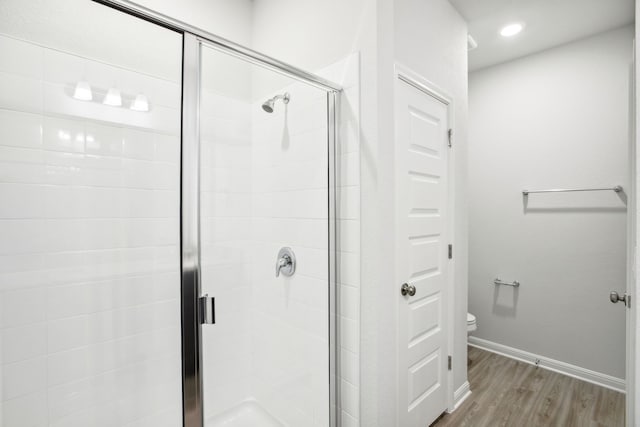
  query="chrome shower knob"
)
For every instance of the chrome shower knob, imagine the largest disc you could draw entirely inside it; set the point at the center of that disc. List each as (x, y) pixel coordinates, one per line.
(286, 262)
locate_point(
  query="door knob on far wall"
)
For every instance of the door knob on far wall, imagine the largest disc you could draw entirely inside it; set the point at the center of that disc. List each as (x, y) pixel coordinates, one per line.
(286, 262)
(407, 289)
(615, 297)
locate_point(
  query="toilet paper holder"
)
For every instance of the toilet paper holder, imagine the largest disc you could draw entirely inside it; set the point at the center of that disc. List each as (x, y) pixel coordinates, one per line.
(514, 284)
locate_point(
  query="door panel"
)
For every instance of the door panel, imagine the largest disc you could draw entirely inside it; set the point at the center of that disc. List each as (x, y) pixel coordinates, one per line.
(421, 190)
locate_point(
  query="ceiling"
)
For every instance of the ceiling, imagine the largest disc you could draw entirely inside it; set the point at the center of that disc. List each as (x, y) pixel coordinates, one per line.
(548, 23)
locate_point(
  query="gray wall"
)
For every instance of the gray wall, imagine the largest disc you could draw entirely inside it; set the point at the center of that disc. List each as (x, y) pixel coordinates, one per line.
(554, 119)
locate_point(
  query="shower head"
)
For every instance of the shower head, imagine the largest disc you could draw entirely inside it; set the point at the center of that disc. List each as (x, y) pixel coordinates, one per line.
(268, 104)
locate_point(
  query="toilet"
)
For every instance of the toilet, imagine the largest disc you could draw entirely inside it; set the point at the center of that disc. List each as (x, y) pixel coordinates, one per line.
(471, 323)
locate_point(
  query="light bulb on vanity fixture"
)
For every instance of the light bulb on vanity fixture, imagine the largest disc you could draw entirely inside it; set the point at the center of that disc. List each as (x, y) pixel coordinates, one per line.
(83, 91)
(113, 98)
(140, 103)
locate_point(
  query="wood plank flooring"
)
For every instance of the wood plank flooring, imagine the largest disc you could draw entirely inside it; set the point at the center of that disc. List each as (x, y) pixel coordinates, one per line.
(509, 393)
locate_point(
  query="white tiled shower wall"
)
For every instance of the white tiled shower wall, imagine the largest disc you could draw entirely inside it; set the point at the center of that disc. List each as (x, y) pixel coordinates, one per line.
(290, 366)
(290, 329)
(266, 178)
(89, 256)
(89, 272)
(227, 240)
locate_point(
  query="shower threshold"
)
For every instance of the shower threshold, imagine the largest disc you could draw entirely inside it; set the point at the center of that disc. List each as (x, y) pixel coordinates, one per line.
(247, 414)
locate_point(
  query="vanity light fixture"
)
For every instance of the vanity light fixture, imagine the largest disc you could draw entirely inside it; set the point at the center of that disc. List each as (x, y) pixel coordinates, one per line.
(511, 29)
(140, 103)
(83, 91)
(113, 98)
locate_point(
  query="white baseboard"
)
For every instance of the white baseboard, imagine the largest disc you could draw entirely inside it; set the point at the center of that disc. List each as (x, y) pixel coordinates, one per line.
(460, 396)
(574, 371)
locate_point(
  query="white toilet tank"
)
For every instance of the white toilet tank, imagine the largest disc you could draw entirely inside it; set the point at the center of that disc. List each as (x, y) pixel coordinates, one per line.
(471, 323)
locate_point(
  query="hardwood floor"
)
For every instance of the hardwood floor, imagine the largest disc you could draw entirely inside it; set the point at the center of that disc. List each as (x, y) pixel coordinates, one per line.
(509, 393)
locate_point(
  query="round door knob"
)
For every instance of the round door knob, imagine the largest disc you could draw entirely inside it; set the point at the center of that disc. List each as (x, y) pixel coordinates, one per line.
(614, 297)
(407, 289)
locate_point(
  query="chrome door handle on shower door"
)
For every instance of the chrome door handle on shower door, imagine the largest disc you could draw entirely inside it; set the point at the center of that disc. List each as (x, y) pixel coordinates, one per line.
(407, 289)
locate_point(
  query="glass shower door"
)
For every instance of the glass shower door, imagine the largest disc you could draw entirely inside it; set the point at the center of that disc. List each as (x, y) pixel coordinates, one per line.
(264, 206)
(89, 217)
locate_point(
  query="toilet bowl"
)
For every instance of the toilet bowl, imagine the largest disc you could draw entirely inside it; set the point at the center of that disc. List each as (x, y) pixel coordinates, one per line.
(471, 323)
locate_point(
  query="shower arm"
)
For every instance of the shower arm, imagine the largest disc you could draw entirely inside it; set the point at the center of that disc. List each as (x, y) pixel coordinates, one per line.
(285, 98)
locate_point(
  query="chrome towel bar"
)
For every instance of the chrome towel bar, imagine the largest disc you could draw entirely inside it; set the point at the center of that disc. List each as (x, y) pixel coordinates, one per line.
(617, 189)
(515, 283)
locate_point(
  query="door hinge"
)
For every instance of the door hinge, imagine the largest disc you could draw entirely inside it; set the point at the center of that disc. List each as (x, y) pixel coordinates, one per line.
(450, 136)
(450, 251)
(449, 362)
(207, 310)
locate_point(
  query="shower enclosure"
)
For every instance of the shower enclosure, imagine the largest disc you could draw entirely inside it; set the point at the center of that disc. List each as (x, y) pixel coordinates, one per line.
(168, 224)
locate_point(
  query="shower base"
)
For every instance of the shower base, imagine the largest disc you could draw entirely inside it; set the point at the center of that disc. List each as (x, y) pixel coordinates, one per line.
(247, 414)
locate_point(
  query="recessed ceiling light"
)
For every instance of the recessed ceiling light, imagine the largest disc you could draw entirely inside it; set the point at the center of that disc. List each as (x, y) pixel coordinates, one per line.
(511, 29)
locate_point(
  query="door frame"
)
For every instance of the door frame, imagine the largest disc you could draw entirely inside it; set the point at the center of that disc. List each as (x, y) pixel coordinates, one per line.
(192, 314)
(632, 406)
(405, 75)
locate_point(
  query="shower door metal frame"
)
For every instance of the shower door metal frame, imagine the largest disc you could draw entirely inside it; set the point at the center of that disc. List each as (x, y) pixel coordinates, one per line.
(192, 394)
(193, 40)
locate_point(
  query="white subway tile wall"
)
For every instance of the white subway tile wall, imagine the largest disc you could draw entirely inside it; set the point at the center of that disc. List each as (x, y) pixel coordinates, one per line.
(89, 257)
(290, 318)
(226, 238)
(264, 186)
(89, 264)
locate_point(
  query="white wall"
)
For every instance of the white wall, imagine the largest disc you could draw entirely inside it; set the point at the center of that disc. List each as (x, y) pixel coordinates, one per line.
(230, 19)
(555, 119)
(85, 24)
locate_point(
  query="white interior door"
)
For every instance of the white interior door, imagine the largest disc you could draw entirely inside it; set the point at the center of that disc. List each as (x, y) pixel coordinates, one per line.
(422, 253)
